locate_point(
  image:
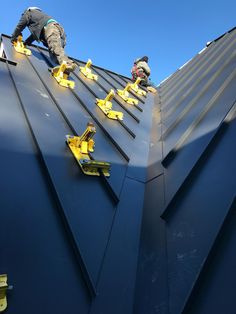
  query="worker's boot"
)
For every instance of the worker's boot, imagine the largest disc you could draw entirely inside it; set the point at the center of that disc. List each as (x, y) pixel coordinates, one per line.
(55, 69)
(70, 67)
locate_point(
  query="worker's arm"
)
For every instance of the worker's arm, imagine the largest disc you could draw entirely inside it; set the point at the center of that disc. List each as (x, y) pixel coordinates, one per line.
(146, 69)
(29, 40)
(20, 26)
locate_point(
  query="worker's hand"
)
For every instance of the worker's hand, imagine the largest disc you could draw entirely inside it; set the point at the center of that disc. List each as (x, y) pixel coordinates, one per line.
(13, 39)
(27, 42)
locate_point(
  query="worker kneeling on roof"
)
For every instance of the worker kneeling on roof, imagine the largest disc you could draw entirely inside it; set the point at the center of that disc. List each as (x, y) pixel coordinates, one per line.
(47, 30)
(142, 70)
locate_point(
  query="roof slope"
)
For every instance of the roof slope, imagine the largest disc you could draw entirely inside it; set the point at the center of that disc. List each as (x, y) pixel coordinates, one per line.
(66, 235)
(188, 237)
(158, 236)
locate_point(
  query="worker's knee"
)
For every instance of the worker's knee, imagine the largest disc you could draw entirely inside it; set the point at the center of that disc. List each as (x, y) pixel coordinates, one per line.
(55, 46)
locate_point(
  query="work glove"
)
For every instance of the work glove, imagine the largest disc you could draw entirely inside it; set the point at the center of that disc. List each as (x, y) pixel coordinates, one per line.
(13, 39)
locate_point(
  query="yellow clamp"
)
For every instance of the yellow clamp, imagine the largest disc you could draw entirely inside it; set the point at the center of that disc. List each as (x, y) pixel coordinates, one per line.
(88, 72)
(106, 106)
(81, 147)
(59, 72)
(3, 291)
(20, 47)
(124, 94)
(135, 87)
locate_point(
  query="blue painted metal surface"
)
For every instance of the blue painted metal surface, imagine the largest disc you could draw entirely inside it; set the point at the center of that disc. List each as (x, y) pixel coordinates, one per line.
(151, 238)
(193, 165)
(98, 219)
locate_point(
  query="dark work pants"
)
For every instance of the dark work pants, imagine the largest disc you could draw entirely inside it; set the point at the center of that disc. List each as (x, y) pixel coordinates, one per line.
(55, 37)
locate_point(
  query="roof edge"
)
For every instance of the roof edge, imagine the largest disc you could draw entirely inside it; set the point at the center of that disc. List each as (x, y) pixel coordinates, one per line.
(218, 38)
(95, 66)
(207, 45)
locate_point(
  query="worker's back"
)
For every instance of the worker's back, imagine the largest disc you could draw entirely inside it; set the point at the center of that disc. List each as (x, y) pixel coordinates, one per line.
(36, 21)
(143, 65)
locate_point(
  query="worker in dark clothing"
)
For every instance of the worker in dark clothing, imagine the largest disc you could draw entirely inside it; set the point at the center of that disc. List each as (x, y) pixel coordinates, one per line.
(142, 70)
(47, 30)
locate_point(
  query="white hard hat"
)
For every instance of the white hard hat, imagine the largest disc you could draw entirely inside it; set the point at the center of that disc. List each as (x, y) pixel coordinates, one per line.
(33, 8)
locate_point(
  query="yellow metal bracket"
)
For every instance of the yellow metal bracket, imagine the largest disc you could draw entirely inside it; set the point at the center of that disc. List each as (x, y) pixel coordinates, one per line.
(3, 292)
(62, 78)
(136, 89)
(81, 147)
(20, 47)
(106, 106)
(88, 72)
(124, 94)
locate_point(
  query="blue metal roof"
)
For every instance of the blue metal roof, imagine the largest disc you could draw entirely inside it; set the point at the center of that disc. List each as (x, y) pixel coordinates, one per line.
(158, 236)
(187, 225)
(67, 234)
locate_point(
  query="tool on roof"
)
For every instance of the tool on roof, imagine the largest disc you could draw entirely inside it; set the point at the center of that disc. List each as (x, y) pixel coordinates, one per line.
(124, 94)
(81, 147)
(61, 75)
(136, 89)
(20, 47)
(106, 106)
(3, 292)
(87, 71)
(152, 89)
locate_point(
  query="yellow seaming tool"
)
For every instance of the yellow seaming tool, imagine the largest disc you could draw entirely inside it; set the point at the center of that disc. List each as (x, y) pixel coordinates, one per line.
(81, 147)
(20, 47)
(3, 292)
(106, 106)
(88, 72)
(60, 74)
(136, 88)
(124, 94)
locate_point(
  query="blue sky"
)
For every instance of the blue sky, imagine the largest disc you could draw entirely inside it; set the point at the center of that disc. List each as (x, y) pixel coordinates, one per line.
(114, 33)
